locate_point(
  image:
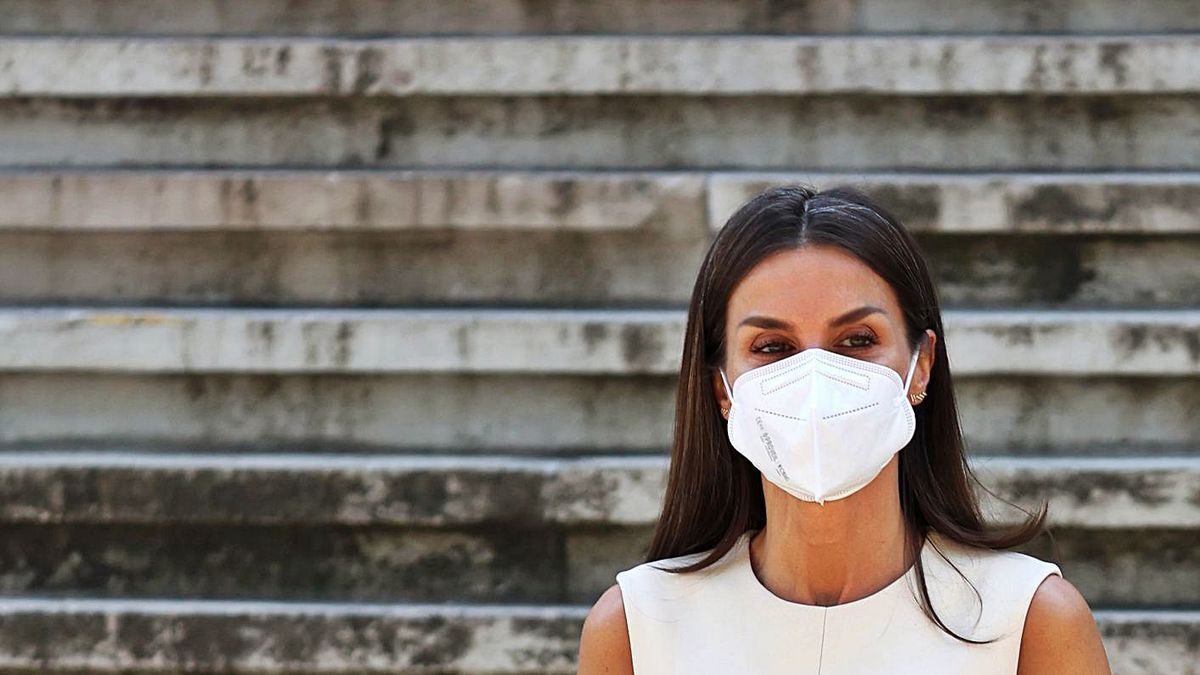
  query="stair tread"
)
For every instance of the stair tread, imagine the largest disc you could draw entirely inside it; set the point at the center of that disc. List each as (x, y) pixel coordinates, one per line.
(165, 635)
(290, 199)
(137, 487)
(1020, 341)
(608, 64)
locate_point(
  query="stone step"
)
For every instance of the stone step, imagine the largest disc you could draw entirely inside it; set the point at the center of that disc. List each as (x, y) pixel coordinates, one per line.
(424, 17)
(601, 65)
(965, 133)
(1114, 568)
(282, 237)
(489, 529)
(151, 636)
(536, 414)
(1070, 343)
(546, 268)
(669, 202)
(360, 201)
(448, 491)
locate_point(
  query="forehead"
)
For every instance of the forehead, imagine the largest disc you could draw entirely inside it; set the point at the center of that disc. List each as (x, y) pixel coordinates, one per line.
(812, 282)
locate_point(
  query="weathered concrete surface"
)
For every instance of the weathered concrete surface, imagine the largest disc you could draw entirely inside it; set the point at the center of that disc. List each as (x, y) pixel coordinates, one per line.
(173, 636)
(437, 491)
(344, 200)
(1127, 568)
(652, 266)
(284, 562)
(923, 65)
(424, 17)
(579, 414)
(1002, 203)
(1150, 642)
(758, 133)
(999, 203)
(1113, 568)
(160, 636)
(981, 342)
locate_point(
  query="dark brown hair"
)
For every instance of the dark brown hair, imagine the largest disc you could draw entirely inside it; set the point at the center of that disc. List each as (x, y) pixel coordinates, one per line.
(714, 494)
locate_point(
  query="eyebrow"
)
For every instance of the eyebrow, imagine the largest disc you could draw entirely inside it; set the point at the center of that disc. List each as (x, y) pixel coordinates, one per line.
(772, 322)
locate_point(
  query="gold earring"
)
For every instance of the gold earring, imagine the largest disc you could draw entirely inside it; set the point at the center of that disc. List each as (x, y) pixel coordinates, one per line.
(725, 412)
(917, 398)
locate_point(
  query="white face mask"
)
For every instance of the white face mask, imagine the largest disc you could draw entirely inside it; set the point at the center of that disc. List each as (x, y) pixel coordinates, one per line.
(819, 424)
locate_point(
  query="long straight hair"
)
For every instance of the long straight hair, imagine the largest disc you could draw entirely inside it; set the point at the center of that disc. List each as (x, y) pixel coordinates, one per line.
(714, 494)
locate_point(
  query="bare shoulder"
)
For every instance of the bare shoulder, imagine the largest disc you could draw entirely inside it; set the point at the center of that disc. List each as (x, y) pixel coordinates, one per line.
(604, 643)
(1060, 634)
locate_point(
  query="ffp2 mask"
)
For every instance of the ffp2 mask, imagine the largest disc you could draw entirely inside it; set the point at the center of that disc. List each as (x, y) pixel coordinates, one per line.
(819, 424)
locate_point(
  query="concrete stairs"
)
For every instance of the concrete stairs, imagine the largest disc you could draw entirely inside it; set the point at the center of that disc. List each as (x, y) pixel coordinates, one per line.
(340, 337)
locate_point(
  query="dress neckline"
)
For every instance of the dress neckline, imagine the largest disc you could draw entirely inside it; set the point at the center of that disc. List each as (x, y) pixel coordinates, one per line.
(751, 580)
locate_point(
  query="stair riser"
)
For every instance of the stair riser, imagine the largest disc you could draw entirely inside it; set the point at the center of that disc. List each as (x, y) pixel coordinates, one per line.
(469, 414)
(375, 17)
(1112, 568)
(171, 637)
(485, 565)
(545, 269)
(769, 132)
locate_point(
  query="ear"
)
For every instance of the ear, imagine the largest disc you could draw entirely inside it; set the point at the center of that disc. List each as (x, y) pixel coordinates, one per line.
(719, 392)
(920, 378)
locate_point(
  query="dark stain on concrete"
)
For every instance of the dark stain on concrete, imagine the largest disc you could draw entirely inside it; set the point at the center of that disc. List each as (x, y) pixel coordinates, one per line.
(441, 642)
(343, 344)
(332, 59)
(368, 64)
(596, 492)
(641, 345)
(283, 57)
(397, 122)
(1135, 338)
(807, 60)
(1113, 58)
(262, 336)
(912, 204)
(1037, 77)
(1145, 488)
(195, 387)
(1132, 339)
(208, 54)
(594, 333)
(980, 270)
(566, 197)
(248, 191)
(1058, 207)
(1014, 335)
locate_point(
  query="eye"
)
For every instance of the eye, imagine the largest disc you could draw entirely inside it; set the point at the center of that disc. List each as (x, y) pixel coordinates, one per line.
(864, 339)
(859, 340)
(772, 347)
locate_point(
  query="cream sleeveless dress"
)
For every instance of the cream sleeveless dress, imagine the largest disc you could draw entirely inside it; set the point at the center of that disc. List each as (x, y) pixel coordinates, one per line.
(723, 620)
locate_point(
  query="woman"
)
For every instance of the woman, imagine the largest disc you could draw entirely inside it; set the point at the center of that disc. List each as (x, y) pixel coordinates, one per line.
(819, 515)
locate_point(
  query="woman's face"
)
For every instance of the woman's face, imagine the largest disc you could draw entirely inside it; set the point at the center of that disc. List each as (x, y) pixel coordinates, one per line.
(816, 296)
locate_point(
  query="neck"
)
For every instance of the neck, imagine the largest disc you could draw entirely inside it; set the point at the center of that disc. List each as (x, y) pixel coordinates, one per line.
(840, 552)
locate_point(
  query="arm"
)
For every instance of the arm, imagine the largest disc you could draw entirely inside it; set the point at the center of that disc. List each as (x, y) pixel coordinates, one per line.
(1060, 635)
(604, 643)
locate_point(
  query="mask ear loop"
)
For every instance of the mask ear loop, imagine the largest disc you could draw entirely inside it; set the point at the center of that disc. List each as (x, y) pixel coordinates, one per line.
(728, 389)
(912, 366)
